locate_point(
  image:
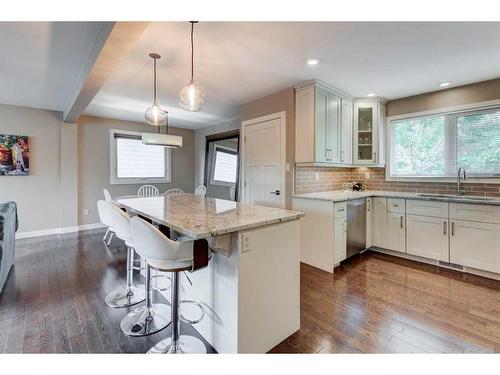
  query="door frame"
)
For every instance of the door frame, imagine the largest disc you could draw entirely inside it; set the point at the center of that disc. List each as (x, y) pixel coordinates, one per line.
(221, 137)
(244, 125)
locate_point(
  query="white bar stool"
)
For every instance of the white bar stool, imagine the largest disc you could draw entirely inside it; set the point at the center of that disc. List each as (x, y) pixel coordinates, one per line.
(104, 209)
(130, 295)
(163, 254)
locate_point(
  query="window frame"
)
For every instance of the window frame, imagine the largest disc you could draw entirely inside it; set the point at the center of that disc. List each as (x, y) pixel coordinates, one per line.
(227, 150)
(113, 178)
(450, 113)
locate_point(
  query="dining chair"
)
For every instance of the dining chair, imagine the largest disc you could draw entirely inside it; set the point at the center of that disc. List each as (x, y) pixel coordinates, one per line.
(104, 210)
(173, 192)
(200, 191)
(107, 195)
(148, 191)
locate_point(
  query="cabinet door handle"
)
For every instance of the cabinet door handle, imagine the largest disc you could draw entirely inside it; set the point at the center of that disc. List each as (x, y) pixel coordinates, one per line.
(369, 204)
(401, 221)
(444, 227)
(452, 228)
(340, 209)
(375, 157)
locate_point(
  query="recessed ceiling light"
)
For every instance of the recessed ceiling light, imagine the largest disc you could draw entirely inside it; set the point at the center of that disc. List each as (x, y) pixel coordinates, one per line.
(371, 94)
(312, 61)
(444, 84)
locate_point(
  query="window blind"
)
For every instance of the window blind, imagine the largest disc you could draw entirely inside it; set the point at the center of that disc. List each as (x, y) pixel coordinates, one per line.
(136, 160)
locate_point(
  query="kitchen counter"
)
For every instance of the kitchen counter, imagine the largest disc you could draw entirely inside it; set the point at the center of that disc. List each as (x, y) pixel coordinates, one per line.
(340, 196)
(254, 270)
(201, 217)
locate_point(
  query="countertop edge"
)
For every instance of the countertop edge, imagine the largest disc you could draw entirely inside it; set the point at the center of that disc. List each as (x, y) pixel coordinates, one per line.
(400, 195)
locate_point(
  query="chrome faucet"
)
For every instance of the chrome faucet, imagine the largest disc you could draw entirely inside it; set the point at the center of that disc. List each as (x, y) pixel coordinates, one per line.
(459, 190)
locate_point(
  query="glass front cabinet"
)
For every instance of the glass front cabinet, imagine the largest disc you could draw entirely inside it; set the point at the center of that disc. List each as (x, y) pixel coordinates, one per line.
(368, 133)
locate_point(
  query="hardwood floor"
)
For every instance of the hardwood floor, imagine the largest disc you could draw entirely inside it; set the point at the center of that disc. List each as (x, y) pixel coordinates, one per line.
(377, 303)
(374, 303)
(53, 301)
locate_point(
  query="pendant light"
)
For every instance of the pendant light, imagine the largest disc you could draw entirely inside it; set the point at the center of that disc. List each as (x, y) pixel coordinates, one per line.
(191, 98)
(156, 116)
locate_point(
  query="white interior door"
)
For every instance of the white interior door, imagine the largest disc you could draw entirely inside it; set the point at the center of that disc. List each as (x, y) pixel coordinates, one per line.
(264, 162)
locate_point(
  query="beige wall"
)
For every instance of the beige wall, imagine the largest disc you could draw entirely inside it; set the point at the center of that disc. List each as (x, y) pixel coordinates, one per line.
(474, 93)
(94, 163)
(280, 101)
(37, 195)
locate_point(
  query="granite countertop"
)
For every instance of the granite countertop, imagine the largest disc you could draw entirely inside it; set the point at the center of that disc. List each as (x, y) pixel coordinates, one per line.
(340, 196)
(201, 217)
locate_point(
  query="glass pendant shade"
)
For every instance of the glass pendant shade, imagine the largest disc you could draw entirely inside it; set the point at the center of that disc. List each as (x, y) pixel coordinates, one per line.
(191, 98)
(156, 116)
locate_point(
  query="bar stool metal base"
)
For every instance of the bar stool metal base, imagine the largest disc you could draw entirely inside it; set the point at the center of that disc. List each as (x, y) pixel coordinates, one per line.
(141, 322)
(124, 297)
(185, 345)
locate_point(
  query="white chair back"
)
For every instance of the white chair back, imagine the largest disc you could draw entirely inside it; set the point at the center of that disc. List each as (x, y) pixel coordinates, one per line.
(148, 191)
(104, 209)
(107, 195)
(232, 193)
(121, 224)
(153, 245)
(200, 191)
(173, 192)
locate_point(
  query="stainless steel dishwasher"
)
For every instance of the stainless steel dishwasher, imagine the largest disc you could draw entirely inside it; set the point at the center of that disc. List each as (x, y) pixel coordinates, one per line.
(356, 226)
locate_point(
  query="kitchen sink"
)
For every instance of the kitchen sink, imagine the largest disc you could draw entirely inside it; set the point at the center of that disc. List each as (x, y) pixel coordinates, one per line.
(452, 196)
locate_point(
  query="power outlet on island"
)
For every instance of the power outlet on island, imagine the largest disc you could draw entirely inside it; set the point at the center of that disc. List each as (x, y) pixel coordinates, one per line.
(245, 246)
(367, 175)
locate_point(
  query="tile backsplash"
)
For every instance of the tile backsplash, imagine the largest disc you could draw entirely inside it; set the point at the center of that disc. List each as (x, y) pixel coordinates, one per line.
(316, 179)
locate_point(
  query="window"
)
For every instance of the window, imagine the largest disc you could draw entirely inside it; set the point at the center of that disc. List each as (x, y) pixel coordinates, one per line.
(225, 166)
(133, 162)
(436, 146)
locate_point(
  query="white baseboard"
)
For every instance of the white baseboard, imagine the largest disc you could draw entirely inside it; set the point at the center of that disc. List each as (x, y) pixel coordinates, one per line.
(48, 232)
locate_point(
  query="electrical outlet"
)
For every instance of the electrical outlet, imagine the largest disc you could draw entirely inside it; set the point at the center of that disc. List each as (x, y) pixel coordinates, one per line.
(367, 175)
(317, 176)
(85, 212)
(245, 248)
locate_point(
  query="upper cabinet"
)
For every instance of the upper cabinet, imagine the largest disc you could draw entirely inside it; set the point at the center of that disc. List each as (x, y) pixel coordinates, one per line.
(323, 125)
(331, 130)
(368, 133)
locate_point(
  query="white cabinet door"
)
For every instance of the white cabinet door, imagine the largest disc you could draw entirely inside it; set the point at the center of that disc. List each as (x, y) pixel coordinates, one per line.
(379, 227)
(475, 245)
(346, 132)
(321, 124)
(427, 237)
(340, 240)
(333, 129)
(365, 133)
(396, 232)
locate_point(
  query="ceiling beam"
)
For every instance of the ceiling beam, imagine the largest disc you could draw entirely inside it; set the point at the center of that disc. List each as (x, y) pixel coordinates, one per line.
(112, 44)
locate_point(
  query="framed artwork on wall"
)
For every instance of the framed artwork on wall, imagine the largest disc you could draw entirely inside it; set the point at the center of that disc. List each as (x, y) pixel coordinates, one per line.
(14, 155)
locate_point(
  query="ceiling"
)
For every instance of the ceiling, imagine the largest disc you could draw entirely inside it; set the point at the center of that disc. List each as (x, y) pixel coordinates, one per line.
(238, 62)
(41, 61)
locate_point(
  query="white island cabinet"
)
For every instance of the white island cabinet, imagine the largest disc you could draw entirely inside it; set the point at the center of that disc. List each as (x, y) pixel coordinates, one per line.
(250, 289)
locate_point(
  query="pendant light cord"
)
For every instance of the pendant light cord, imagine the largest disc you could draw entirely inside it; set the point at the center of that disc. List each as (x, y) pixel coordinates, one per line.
(154, 81)
(192, 49)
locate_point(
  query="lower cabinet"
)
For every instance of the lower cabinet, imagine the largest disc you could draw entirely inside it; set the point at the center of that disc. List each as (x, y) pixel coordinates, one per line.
(427, 237)
(396, 232)
(340, 240)
(475, 244)
(379, 217)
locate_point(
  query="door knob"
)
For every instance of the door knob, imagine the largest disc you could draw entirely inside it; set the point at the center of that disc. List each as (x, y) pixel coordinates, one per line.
(276, 192)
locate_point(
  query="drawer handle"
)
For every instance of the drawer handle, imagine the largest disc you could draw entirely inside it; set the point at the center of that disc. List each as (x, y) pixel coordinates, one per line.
(340, 209)
(395, 204)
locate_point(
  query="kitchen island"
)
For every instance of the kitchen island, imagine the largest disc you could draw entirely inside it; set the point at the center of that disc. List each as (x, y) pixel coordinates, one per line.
(250, 288)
